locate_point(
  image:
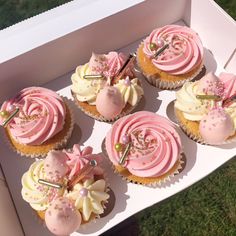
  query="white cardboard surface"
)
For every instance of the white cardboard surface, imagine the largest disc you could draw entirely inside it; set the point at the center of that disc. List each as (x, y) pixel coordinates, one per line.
(130, 198)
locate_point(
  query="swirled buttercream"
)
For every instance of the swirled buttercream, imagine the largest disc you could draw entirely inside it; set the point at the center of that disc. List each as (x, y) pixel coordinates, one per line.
(58, 167)
(155, 144)
(187, 102)
(184, 51)
(195, 109)
(77, 158)
(130, 90)
(37, 195)
(41, 116)
(107, 64)
(89, 197)
(86, 90)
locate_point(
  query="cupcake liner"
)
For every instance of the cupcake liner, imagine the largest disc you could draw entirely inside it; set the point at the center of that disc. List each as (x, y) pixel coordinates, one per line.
(148, 181)
(165, 84)
(83, 105)
(58, 145)
(151, 181)
(198, 138)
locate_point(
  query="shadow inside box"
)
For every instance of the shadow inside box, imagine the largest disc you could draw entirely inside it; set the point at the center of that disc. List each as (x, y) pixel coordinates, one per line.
(170, 112)
(83, 127)
(228, 145)
(209, 61)
(150, 101)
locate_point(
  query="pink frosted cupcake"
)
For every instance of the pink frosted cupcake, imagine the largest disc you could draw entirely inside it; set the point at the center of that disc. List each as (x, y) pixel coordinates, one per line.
(106, 87)
(66, 189)
(206, 109)
(36, 121)
(144, 148)
(170, 56)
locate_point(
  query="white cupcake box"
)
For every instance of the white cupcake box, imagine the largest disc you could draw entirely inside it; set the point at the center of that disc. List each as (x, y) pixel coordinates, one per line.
(44, 50)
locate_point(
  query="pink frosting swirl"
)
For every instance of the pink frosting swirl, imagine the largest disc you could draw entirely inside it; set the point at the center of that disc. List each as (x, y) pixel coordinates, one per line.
(107, 65)
(155, 144)
(229, 81)
(41, 116)
(185, 51)
(78, 158)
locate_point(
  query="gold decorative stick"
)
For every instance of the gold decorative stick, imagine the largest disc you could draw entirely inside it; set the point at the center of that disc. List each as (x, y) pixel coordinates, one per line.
(124, 155)
(209, 97)
(10, 117)
(161, 50)
(93, 77)
(50, 184)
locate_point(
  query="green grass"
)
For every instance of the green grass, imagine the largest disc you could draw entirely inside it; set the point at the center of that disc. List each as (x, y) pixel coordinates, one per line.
(206, 208)
(229, 6)
(13, 11)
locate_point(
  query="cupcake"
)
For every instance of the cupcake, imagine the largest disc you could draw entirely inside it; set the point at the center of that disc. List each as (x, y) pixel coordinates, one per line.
(66, 189)
(36, 121)
(144, 148)
(105, 88)
(206, 109)
(170, 56)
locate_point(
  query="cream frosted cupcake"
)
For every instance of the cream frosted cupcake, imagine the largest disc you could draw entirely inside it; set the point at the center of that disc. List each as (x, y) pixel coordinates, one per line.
(36, 121)
(170, 56)
(144, 148)
(106, 88)
(66, 183)
(206, 109)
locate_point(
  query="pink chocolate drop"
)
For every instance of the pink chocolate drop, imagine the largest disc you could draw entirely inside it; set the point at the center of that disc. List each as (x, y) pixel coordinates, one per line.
(216, 127)
(62, 218)
(55, 165)
(109, 102)
(208, 84)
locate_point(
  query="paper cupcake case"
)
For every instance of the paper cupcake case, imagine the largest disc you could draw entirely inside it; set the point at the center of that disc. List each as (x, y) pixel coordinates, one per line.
(199, 139)
(148, 181)
(128, 109)
(164, 84)
(58, 145)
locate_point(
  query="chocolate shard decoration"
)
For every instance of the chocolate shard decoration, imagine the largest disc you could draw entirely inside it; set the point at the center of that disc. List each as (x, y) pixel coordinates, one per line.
(83, 172)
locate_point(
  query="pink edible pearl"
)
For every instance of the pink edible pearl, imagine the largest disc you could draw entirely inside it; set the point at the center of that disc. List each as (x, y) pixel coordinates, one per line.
(127, 82)
(83, 192)
(11, 108)
(160, 43)
(125, 139)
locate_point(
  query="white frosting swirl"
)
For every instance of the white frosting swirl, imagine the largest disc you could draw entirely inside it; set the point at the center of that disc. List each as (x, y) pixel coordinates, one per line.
(91, 201)
(86, 89)
(37, 195)
(130, 90)
(193, 108)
